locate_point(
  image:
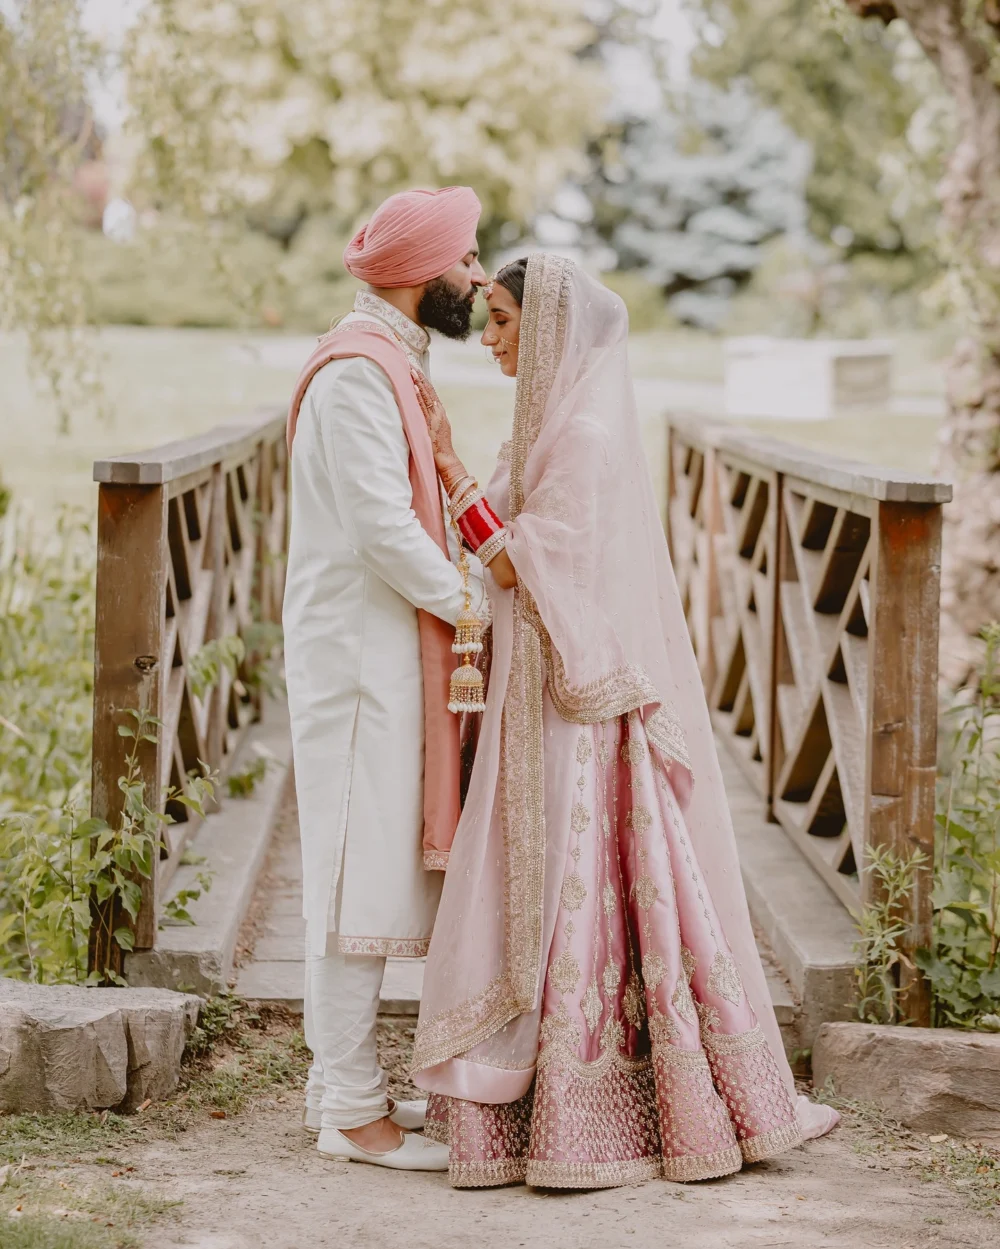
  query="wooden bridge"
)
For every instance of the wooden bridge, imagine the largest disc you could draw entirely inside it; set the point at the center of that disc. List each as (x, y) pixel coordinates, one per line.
(811, 588)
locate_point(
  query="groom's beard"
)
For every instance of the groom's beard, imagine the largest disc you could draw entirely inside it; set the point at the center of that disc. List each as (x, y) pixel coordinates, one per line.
(445, 309)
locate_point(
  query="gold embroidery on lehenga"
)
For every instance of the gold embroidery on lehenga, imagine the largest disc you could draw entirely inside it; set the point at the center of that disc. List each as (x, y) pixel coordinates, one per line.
(708, 1017)
(565, 973)
(646, 892)
(662, 1029)
(689, 963)
(592, 1007)
(724, 978)
(579, 818)
(612, 977)
(653, 970)
(683, 1001)
(634, 1003)
(583, 750)
(608, 899)
(573, 893)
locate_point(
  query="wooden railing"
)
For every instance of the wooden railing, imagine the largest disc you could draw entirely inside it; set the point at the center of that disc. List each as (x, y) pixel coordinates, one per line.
(191, 541)
(811, 586)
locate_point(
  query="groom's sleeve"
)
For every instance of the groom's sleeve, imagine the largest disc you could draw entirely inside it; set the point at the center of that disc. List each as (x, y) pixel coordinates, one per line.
(368, 459)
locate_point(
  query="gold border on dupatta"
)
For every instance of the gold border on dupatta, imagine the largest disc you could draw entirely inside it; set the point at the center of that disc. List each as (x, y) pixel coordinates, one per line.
(521, 778)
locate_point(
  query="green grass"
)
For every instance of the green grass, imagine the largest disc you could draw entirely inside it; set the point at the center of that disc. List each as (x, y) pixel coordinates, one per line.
(72, 1212)
(163, 384)
(256, 1068)
(66, 1135)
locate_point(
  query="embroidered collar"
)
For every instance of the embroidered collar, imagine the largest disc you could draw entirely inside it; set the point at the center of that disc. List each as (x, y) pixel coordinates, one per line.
(408, 332)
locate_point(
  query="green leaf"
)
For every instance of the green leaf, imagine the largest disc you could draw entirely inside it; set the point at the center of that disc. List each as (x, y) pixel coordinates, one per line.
(125, 731)
(989, 982)
(125, 938)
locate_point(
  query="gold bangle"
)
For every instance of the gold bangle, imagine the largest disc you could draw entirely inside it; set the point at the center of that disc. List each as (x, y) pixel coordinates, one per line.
(492, 547)
(469, 499)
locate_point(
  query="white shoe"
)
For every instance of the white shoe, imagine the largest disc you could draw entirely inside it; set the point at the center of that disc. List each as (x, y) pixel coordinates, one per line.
(414, 1153)
(409, 1115)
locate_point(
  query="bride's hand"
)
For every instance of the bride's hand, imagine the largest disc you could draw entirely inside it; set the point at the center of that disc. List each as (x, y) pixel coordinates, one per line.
(449, 466)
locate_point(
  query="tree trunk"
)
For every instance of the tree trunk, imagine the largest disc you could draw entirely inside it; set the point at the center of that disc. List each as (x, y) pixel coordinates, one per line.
(969, 445)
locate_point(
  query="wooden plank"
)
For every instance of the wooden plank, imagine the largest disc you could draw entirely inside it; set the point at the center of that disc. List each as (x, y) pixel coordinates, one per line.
(903, 709)
(189, 455)
(846, 890)
(837, 473)
(129, 630)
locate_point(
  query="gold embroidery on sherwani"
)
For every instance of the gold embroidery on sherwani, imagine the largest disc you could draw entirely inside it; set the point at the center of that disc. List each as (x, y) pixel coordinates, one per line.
(724, 979)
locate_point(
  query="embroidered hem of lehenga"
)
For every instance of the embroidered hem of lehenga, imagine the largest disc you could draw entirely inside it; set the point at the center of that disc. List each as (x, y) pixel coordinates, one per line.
(769, 1144)
(493, 1174)
(592, 1174)
(689, 1168)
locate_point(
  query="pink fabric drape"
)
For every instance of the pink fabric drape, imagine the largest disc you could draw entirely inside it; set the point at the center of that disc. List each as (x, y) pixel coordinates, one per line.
(441, 729)
(595, 620)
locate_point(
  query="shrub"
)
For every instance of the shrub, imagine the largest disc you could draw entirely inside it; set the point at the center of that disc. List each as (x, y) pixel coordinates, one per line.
(46, 691)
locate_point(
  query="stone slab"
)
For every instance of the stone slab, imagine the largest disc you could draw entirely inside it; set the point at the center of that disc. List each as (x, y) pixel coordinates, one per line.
(930, 1079)
(281, 982)
(806, 926)
(66, 1048)
(233, 842)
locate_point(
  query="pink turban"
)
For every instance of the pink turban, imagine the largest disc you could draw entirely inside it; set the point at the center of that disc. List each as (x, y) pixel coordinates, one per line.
(414, 236)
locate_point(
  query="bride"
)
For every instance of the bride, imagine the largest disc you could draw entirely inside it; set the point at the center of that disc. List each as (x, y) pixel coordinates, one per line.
(594, 1010)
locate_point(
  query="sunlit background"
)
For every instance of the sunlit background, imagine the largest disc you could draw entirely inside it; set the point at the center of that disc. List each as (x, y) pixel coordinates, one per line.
(730, 169)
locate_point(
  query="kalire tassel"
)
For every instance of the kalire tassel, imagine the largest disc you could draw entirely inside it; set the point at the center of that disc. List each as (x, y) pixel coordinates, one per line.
(466, 692)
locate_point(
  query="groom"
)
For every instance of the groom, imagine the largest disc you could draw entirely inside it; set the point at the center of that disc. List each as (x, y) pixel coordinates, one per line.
(371, 599)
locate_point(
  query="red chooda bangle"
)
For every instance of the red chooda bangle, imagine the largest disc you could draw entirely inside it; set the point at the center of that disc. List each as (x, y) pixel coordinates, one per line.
(477, 524)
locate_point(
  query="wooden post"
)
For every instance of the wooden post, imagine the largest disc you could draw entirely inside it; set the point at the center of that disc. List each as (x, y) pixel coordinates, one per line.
(903, 710)
(215, 628)
(777, 558)
(128, 637)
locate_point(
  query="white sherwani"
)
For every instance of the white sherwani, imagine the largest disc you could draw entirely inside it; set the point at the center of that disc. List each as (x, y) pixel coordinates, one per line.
(359, 565)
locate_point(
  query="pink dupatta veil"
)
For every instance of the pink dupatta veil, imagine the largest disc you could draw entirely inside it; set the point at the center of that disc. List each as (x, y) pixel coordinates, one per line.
(597, 616)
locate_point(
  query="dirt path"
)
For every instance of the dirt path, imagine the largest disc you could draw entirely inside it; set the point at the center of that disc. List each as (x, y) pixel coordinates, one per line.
(225, 1165)
(260, 1183)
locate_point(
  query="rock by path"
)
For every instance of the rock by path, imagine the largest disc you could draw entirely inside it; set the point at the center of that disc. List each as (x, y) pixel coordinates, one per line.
(259, 1182)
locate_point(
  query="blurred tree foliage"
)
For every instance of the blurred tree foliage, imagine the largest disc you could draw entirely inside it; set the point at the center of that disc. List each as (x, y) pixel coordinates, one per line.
(961, 39)
(690, 196)
(46, 134)
(853, 90)
(291, 116)
(295, 108)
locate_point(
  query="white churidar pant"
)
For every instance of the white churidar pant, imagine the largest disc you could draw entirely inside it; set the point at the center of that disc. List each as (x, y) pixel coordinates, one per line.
(341, 1004)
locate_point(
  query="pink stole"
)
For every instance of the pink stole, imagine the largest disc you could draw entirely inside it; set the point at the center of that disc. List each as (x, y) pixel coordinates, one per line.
(442, 805)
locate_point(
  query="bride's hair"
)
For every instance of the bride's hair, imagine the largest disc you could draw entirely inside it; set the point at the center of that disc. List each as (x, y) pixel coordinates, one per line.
(511, 278)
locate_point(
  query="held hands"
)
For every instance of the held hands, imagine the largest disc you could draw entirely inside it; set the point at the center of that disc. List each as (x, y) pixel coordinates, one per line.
(449, 466)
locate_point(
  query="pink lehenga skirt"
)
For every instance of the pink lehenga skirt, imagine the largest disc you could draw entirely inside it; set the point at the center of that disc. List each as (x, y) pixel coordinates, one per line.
(650, 1059)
